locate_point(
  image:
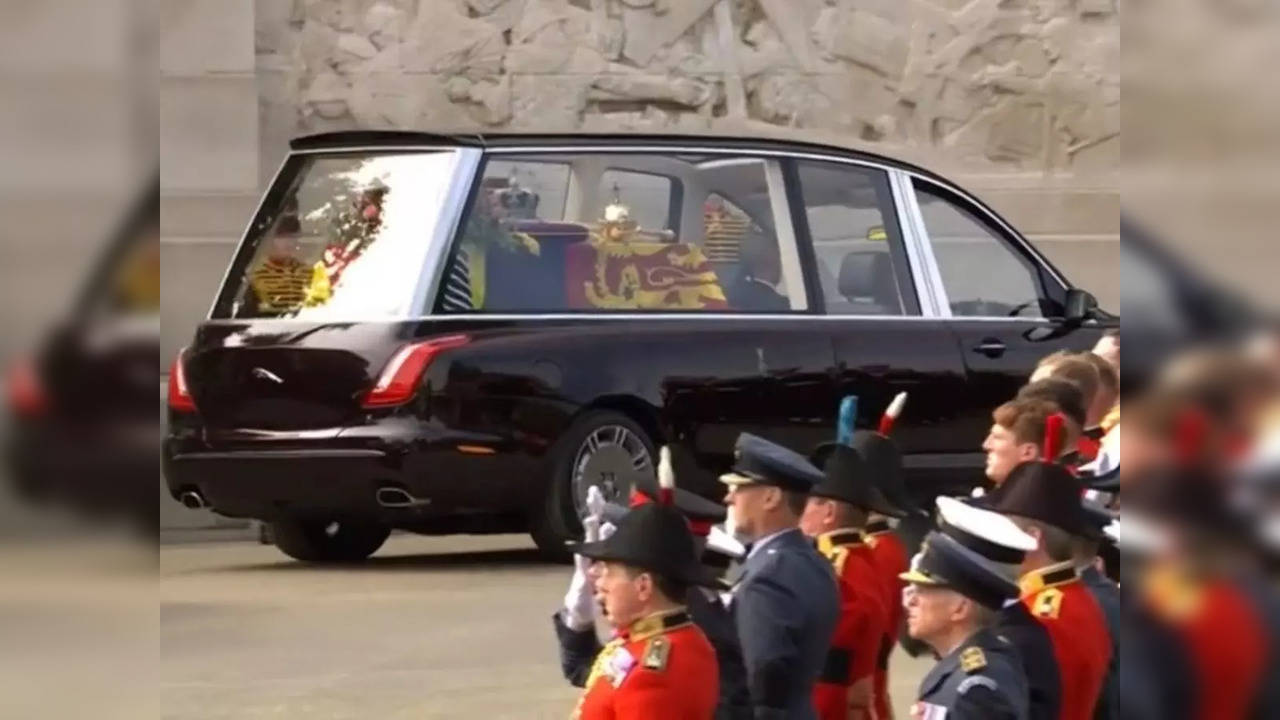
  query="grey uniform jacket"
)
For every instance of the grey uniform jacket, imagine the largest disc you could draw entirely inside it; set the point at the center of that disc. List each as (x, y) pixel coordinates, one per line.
(980, 680)
(785, 609)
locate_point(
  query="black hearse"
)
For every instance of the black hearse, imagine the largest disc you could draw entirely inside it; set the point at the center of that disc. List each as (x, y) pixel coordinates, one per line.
(463, 333)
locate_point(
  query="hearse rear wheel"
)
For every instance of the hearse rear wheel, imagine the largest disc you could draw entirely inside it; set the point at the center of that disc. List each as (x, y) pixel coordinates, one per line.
(331, 541)
(604, 448)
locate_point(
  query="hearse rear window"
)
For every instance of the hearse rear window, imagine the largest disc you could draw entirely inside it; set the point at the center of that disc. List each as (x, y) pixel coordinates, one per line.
(633, 232)
(346, 238)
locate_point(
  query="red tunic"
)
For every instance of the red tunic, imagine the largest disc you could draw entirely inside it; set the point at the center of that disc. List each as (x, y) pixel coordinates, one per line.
(860, 632)
(1224, 637)
(889, 556)
(1087, 448)
(660, 667)
(1056, 597)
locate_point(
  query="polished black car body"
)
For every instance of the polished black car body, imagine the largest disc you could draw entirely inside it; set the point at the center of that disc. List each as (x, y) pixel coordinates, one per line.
(525, 397)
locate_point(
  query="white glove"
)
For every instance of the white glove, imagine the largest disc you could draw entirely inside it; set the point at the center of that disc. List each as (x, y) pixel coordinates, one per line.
(606, 530)
(595, 502)
(579, 605)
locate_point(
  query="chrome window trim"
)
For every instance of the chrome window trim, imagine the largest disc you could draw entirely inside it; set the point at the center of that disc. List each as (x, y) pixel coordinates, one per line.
(785, 232)
(930, 294)
(464, 175)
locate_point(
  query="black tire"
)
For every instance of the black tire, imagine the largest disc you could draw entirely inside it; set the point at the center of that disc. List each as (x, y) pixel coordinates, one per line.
(556, 521)
(316, 541)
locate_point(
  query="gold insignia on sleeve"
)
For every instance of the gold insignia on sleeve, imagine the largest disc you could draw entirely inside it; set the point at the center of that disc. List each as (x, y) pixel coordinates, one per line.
(972, 659)
(656, 654)
(1048, 603)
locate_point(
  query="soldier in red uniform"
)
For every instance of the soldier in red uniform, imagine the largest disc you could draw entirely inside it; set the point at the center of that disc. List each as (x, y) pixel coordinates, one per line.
(888, 552)
(659, 664)
(889, 556)
(1043, 499)
(835, 517)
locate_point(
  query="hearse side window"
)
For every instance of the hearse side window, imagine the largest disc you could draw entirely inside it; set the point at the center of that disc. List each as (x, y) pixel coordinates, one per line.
(650, 198)
(634, 235)
(528, 190)
(982, 274)
(861, 264)
(341, 236)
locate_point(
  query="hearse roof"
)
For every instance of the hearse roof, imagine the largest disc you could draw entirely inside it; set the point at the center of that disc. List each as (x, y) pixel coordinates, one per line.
(394, 138)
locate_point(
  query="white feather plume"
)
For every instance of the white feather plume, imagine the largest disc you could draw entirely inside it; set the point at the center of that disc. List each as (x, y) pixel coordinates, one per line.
(666, 475)
(895, 407)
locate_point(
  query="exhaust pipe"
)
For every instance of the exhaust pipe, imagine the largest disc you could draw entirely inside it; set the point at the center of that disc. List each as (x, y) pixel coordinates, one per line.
(396, 497)
(193, 500)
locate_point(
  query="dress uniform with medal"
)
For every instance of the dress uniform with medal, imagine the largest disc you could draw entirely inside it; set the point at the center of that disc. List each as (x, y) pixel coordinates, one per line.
(575, 622)
(979, 675)
(659, 664)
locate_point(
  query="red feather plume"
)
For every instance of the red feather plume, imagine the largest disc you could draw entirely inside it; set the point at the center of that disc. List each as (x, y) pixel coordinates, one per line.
(1053, 436)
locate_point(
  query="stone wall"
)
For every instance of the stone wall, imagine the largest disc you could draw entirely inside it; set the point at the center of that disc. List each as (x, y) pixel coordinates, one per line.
(985, 84)
(1017, 99)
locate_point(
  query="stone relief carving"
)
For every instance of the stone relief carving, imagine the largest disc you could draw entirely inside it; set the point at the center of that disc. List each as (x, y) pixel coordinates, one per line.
(1031, 85)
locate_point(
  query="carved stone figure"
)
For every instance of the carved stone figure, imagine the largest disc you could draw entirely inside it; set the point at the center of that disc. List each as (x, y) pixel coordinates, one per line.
(1026, 86)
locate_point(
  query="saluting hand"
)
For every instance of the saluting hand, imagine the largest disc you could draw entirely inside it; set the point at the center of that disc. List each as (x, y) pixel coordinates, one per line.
(579, 608)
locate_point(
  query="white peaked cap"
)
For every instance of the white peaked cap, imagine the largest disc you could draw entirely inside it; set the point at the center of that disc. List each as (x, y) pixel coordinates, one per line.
(724, 543)
(990, 526)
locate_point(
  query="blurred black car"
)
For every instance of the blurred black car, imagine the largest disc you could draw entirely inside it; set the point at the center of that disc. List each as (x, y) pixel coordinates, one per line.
(462, 334)
(82, 415)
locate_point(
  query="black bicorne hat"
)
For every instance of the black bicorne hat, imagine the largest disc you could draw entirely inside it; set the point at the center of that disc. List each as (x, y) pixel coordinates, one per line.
(653, 537)
(1042, 491)
(848, 477)
(884, 459)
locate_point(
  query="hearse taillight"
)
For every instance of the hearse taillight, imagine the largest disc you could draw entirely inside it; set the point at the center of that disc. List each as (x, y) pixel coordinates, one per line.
(399, 379)
(180, 399)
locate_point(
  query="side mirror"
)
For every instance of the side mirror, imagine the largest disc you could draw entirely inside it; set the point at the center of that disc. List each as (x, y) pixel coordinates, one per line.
(1080, 305)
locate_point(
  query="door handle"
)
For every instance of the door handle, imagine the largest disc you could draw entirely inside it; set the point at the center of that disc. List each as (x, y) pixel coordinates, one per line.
(991, 347)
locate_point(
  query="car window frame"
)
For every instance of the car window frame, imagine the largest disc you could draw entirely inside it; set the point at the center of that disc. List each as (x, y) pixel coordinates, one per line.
(289, 175)
(432, 302)
(568, 180)
(675, 197)
(1052, 286)
(894, 225)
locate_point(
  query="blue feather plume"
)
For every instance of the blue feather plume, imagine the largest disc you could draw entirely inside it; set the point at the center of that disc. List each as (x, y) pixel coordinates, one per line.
(848, 416)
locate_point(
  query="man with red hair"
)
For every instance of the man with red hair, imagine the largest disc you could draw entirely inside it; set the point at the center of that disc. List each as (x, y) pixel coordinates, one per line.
(1018, 434)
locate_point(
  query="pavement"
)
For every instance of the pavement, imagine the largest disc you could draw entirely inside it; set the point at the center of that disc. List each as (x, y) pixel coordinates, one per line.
(452, 627)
